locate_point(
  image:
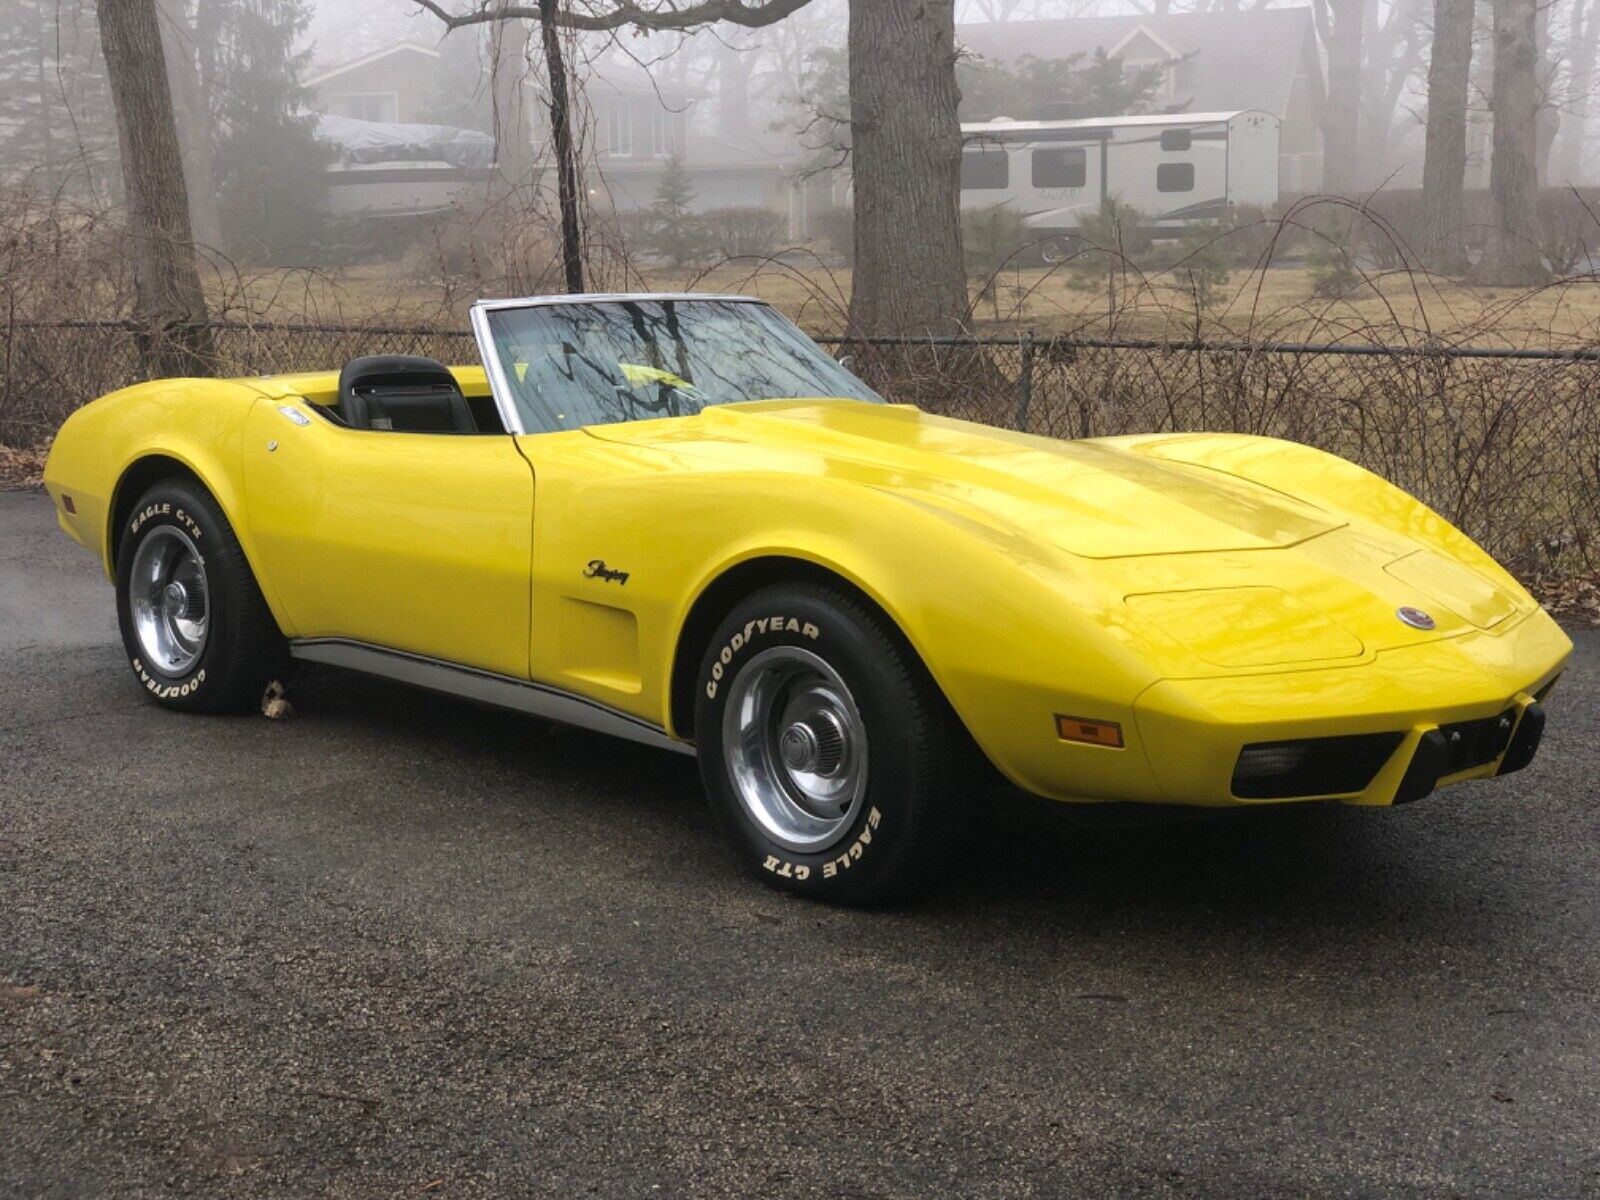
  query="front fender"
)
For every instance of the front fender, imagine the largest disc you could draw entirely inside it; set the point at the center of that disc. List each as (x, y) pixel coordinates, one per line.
(1012, 636)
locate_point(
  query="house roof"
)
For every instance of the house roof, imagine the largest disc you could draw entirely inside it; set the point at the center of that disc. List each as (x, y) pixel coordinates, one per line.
(323, 74)
(1241, 59)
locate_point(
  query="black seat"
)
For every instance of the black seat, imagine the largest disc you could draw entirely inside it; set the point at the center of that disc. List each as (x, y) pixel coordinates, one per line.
(403, 393)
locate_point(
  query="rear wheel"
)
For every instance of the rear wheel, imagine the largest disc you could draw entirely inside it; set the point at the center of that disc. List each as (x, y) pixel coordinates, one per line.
(195, 627)
(1058, 249)
(830, 757)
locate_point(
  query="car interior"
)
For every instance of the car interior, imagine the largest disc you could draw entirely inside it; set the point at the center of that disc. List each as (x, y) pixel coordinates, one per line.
(403, 393)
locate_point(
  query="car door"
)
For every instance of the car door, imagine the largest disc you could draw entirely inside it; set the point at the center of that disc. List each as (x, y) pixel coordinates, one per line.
(418, 542)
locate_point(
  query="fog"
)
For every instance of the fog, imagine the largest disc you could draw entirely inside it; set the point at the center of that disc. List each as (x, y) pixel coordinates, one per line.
(735, 121)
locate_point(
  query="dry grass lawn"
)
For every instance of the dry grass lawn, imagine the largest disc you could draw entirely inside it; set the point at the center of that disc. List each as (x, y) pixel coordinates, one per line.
(1277, 303)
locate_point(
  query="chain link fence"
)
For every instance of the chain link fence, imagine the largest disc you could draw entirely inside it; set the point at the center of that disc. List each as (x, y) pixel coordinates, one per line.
(1504, 443)
(49, 369)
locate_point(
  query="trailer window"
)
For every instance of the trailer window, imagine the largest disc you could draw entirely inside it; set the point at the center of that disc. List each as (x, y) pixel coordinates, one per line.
(1060, 166)
(985, 170)
(1175, 139)
(1175, 177)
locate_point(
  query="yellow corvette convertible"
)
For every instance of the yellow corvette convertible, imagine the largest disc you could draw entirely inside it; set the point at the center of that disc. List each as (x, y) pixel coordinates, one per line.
(675, 519)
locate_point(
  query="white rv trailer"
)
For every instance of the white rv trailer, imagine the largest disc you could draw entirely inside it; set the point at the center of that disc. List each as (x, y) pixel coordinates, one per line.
(1175, 168)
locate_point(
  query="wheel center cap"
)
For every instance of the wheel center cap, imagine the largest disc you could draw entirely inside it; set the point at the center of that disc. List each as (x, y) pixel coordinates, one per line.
(798, 745)
(176, 597)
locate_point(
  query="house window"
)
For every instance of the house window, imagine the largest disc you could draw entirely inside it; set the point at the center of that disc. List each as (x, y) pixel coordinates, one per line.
(365, 106)
(619, 130)
(1060, 167)
(1175, 177)
(662, 143)
(1175, 139)
(985, 170)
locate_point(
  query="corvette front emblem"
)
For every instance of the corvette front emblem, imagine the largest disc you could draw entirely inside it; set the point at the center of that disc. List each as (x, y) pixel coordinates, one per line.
(1414, 617)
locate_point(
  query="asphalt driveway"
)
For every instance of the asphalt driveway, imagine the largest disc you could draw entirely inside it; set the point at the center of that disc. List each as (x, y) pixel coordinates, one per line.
(400, 945)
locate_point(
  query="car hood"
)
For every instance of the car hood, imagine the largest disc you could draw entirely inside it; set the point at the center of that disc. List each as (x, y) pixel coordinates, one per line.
(1094, 499)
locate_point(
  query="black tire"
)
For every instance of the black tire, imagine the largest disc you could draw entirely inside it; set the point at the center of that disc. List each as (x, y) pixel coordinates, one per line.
(915, 755)
(1057, 249)
(242, 649)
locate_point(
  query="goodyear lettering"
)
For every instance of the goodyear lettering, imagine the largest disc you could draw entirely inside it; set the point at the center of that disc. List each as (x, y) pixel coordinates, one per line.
(167, 691)
(852, 854)
(743, 637)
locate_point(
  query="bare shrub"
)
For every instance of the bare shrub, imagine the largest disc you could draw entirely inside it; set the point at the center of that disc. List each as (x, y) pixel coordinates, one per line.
(739, 230)
(1568, 228)
(837, 228)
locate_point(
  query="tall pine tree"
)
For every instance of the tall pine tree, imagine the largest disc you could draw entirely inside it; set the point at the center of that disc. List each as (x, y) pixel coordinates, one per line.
(269, 165)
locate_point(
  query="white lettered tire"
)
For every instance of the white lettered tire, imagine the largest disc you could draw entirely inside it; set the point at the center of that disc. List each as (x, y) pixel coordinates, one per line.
(195, 628)
(829, 755)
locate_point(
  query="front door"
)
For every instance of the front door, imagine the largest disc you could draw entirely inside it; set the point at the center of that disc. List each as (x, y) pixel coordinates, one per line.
(411, 541)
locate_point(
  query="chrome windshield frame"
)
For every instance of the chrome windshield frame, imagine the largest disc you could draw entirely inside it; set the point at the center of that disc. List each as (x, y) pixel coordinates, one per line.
(494, 370)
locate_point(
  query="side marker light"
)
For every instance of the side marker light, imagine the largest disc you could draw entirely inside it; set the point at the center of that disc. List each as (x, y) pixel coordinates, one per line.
(1093, 733)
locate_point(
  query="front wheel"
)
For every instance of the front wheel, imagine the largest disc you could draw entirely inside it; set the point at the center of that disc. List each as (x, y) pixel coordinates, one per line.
(830, 757)
(195, 627)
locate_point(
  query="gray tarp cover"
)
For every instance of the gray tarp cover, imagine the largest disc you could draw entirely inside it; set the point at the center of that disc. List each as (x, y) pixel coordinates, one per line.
(361, 143)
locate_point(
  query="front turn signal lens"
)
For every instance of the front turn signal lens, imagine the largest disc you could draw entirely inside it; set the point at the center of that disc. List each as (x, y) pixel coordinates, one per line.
(1092, 733)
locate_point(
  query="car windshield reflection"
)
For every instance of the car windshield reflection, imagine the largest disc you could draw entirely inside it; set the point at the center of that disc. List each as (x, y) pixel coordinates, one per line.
(602, 362)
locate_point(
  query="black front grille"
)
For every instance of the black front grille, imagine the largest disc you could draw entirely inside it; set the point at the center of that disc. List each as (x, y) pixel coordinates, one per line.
(1471, 744)
(1334, 766)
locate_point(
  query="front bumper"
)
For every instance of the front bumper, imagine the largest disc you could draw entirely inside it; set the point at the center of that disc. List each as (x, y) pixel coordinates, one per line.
(1461, 708)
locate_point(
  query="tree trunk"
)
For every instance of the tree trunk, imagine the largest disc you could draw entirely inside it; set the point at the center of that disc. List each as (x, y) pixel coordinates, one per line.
(1512, 258)
(508, 65)
(566, 159)
(1444, 163)
(193, 118)
(1341, 127)
(169, 307)
(909, 274)
(1574, 122)
(1547, 115)
(1392, 50)
(47, 101)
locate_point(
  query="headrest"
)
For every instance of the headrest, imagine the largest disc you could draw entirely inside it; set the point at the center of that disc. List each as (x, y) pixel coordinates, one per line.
(405, 370)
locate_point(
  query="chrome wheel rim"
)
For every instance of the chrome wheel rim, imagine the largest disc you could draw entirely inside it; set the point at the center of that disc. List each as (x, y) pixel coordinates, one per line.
(170, 601)
(795, 748)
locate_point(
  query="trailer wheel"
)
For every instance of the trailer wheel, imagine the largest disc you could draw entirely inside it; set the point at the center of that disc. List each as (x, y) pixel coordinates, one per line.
(1056, 250)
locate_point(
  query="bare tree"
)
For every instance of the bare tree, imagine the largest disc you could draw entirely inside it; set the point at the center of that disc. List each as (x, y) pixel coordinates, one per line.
(192, 113)
(1512, 258)
(170, 308)
(1444, 163)
(1339, 24)
(508, 70)
(1393, 43)
(1581, 53)
(552, 17)
(903, 95)
(906, 164)
(566, 157)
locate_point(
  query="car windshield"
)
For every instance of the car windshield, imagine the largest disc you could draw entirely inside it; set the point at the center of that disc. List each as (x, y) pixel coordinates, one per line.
(600, 362)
